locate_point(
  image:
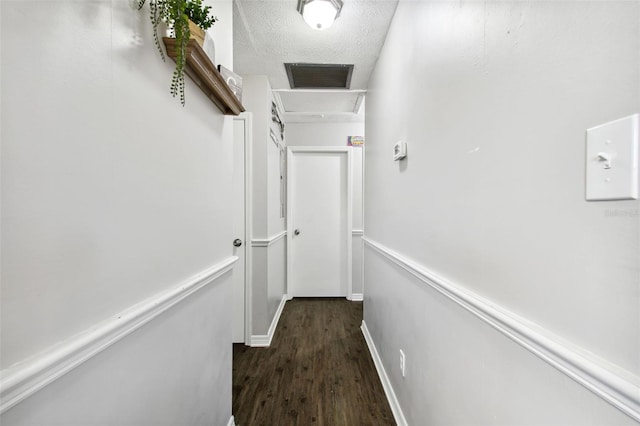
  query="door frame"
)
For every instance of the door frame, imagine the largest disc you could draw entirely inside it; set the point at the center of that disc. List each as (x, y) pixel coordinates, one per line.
(247, 118)
(291, 150)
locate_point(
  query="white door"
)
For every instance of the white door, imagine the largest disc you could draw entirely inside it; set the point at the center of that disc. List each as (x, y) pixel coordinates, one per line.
(239, 231)
(319, 222)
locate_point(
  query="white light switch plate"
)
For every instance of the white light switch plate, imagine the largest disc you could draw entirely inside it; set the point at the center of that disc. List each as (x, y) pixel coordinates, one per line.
(612, 160)
(399, 150)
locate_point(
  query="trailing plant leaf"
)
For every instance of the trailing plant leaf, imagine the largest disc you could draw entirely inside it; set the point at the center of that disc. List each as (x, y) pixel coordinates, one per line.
(158, 12)
(182, 33)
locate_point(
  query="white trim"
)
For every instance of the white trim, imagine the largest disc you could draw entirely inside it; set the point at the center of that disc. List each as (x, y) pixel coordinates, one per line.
(266, 242)
(358, 233)
(618, 387)
(264, 340)
(398, 415)
(350, 222)
(247, 117)
(364, 166)
(289, 221)
(357, 297)
(25, 378)
(231, 421)
(357, 108)
(321, 149)
(278, 91)
(323, 117)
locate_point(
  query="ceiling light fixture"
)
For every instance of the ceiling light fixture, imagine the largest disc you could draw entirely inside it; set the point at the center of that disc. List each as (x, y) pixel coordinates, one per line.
(320, 14)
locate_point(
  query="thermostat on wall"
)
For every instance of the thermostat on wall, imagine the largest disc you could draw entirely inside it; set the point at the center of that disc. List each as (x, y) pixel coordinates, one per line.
(399, 150)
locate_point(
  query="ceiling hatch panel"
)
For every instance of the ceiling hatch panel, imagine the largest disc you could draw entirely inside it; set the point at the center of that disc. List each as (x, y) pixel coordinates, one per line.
(319, 76)
(321, 102)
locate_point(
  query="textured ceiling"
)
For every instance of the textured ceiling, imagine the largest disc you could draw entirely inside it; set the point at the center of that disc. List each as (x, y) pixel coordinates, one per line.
(268, 33)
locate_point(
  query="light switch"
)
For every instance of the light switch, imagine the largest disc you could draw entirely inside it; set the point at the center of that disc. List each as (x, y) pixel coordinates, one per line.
(612, 160)
(399, 150)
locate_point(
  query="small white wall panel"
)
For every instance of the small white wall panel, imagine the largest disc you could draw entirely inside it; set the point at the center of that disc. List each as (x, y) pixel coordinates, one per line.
(612, 160)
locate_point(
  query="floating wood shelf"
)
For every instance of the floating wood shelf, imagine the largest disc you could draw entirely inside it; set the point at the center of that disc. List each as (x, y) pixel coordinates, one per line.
(206, 76)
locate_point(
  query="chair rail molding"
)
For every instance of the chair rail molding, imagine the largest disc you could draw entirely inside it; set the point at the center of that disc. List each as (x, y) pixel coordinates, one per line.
(266, 242)
(27, 377)
(618, 387)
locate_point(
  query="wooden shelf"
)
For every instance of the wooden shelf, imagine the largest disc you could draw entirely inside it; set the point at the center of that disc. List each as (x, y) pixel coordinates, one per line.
(206, 76)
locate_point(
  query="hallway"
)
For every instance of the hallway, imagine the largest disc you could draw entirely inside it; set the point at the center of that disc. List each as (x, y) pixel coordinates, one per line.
(492, 226)
(317, 370)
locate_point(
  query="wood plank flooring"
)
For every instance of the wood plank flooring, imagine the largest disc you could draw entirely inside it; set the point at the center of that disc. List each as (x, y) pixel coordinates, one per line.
(317, 371)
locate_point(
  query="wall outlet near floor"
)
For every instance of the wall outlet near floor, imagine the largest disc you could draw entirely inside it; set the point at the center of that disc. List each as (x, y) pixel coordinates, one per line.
(403, 362)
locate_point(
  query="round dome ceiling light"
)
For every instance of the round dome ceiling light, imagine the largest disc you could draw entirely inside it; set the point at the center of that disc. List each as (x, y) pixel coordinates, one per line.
(319, 14)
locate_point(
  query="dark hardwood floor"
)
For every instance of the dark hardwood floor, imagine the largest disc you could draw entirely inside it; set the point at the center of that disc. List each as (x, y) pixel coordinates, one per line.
(317, 371)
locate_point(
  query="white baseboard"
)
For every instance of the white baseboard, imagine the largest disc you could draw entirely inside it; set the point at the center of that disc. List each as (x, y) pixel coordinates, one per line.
(231, 422)
(386, 384)
(264, 340)
(25, 378)
(357, 297)
(618, 387)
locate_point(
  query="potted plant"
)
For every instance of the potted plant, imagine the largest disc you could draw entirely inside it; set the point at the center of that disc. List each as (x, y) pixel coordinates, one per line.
(199, 19)
(177, 14)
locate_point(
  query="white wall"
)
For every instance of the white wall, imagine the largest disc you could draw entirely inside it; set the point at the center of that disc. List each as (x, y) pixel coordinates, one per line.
(336, 134)
(493, 99)
(268, 248)
(112, 192)
(222, 31)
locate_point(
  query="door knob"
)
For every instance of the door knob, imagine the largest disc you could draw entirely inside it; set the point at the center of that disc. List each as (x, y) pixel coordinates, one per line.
(297, 232)
(237, 242)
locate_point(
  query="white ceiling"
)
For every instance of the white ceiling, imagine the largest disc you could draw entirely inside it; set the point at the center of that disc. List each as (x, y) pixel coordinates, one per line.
(268, 33)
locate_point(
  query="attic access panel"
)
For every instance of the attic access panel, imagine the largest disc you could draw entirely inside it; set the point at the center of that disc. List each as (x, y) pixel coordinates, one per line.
(319, 76)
